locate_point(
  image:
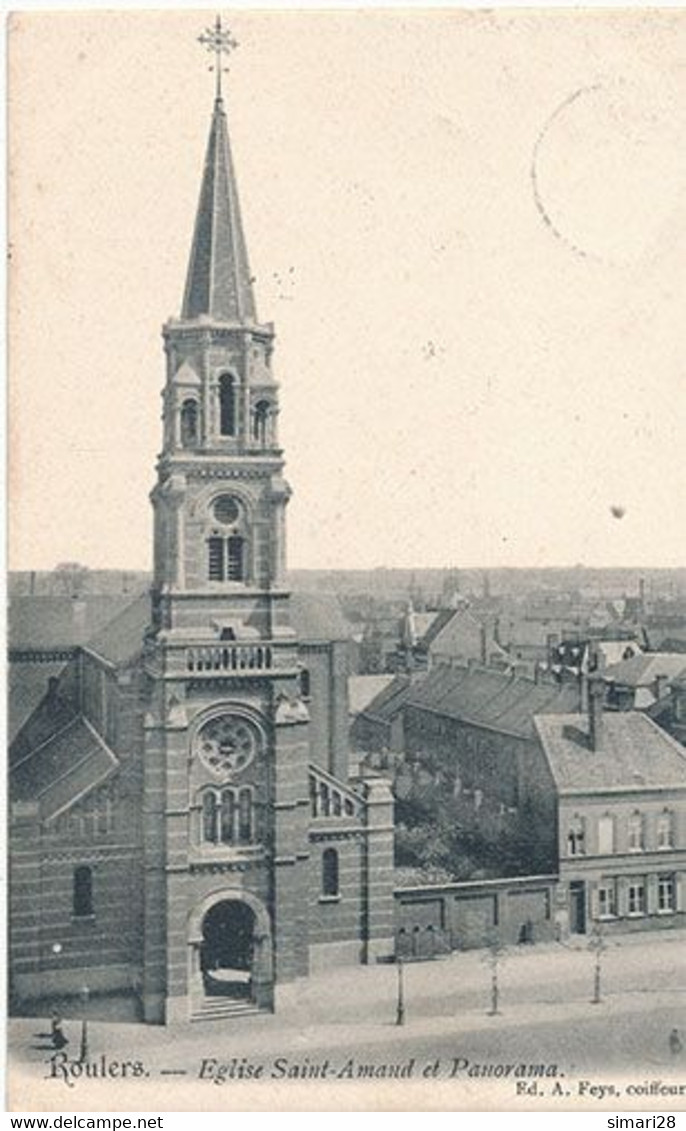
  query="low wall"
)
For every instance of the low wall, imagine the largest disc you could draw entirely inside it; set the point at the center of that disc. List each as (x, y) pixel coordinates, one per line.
(436, 919)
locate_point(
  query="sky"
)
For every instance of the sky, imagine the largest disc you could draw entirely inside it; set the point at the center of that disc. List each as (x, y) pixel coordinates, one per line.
(467, 226)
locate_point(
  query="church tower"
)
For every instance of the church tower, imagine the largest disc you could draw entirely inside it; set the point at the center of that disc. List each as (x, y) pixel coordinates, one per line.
(227, 743)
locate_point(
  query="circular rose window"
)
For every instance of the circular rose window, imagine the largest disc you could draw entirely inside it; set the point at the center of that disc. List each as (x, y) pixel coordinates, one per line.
(227, 744)
(226, 510)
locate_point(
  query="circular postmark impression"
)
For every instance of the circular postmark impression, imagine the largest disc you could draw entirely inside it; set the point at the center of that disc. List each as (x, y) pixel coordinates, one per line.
(607, 168)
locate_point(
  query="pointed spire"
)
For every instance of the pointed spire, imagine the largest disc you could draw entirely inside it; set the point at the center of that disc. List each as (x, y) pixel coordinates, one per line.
(219, 283)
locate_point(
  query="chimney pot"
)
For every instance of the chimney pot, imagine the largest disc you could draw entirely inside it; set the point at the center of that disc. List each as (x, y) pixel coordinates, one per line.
(596, 696)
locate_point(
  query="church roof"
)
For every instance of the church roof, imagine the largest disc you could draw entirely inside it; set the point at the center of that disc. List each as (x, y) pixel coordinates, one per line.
(122, 639)
(27, 685)
(63, 769)
(56, 621)
(317, 618)
(219, 283)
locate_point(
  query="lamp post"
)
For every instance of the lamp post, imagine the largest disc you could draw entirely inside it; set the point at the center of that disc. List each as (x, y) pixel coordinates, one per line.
(597, 945)
(83, 1054)
(400, 1011)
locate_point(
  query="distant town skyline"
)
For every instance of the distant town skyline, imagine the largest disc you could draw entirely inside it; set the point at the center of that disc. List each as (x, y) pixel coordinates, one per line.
(467, 226)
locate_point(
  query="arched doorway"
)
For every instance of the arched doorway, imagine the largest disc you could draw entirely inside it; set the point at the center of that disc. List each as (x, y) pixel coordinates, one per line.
(227, 951)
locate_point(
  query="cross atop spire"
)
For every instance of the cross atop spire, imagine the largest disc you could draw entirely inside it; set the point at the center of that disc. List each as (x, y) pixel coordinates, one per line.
(220, 42)
(219, 283)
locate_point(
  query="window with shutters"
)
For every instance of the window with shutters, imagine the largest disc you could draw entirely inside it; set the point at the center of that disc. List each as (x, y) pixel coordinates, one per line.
(637, 896)
(666, 893)
(607, 899)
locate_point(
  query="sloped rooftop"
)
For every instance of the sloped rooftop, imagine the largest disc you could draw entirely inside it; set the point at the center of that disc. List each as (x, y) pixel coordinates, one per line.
(27, 684)
(634, 753)
(490, 698)
(71, 763)
(49, 621)
(643, 670)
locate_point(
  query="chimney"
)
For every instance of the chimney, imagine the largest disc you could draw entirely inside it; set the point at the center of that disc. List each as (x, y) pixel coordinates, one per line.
(596, 695)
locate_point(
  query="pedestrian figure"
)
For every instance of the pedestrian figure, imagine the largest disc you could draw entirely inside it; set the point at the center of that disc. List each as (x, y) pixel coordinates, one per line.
(675, 1043)
(57, 1033)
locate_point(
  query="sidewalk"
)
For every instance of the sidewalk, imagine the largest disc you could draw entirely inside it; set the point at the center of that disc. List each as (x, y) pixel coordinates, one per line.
(538, 985)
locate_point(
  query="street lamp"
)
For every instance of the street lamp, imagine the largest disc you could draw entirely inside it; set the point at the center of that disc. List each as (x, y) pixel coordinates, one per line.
(83, 1055)
(400, 1011)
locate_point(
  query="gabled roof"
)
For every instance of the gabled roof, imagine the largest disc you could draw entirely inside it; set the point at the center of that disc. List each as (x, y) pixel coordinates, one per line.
(634, 753)
(489, 698)
(219, 283)
(63, 769)
(643, 670)
(27, 684)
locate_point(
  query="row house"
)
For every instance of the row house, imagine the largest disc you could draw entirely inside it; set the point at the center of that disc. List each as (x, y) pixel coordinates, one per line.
(620, 782)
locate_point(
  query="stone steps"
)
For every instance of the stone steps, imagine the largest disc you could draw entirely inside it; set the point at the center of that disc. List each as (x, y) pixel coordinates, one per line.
(217, 1009)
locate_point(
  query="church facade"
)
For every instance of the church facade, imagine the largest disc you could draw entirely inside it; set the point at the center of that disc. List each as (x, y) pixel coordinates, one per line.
(184, 826)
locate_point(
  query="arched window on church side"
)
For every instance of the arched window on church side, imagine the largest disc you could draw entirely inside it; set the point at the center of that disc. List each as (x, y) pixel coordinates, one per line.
(83, 892)
(189, 424)
(260, 423)
(330, 873)
(227, 405)
(210, 813)
(228, 816)
(304, 682)
(245, 816)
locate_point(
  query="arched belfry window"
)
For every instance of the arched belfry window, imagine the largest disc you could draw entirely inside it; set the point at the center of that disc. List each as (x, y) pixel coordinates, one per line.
(227, 405)
(83, 892)
(260, 422)
(330, 872)
(189, 424)
(227, 556)
(235, 564)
